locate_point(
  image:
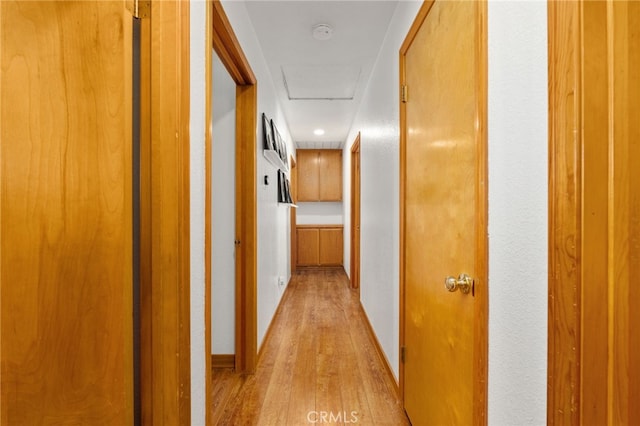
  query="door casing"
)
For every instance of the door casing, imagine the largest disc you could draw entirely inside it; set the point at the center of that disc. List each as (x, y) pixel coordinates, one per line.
(293, 214)
(355, 214)
(220, 36)
(594, 212)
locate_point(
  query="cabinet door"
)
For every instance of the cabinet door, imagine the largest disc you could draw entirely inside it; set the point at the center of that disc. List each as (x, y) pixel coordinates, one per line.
(308, 247)
(331, 247)
(308, 175)
(330, 166)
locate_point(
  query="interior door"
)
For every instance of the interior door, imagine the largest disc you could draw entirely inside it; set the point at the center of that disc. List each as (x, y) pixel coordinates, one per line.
(444, 229)
(66, 213)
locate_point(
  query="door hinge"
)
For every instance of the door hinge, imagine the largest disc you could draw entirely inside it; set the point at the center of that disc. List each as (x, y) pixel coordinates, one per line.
(403, 353)
(404, 95)
(139, 8)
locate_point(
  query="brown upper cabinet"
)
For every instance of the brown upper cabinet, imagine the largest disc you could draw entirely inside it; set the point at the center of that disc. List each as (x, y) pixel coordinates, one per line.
(319, 174)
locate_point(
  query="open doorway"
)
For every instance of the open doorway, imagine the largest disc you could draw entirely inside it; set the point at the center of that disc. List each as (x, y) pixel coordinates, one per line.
(222, 41)
(223, 221)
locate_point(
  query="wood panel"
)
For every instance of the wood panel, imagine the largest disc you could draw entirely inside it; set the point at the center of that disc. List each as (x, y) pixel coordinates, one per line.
(564, 212)
(308, 246)
(331, 248)
(330, 170)
(594, 229)
(66, 213)
(594, 204)
(308, 176)
(624, 225)
(169, 206)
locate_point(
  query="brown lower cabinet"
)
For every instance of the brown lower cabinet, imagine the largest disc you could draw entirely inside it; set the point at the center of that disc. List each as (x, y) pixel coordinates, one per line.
(319, 245)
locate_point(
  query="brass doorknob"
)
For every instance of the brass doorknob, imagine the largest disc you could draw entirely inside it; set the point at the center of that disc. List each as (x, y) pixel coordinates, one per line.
(464, 282)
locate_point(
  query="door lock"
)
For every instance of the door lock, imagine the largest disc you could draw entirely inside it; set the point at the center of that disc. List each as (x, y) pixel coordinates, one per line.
(464, 282)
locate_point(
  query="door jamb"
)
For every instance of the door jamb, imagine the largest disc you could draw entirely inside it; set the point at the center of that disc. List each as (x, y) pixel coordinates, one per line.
(165, 242)
(220, 36)
(293, 217)
(354, 255)
(564, 205)
(481, 244)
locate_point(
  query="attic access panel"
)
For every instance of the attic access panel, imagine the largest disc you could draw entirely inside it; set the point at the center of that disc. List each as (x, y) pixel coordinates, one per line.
(321, 82)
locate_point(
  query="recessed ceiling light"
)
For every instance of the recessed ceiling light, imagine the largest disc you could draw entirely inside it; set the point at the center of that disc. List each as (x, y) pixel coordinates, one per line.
(322, 31)
(318, 132)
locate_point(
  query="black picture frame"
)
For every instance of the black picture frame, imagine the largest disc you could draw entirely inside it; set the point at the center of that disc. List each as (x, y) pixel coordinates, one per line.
(269, 143)
(284, 155)
(287, 191)
(282, 195)
(277, 140)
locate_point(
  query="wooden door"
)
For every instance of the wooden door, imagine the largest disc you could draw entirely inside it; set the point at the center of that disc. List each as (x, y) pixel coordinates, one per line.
(594, 196)
(443, 190)
(330, 246)
(308, 176)
(66, 213)
(330, 174)
(308, 246)
(355, 214)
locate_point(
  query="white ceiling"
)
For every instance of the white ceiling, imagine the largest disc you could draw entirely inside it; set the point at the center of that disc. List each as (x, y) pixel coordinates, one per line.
(320, 83)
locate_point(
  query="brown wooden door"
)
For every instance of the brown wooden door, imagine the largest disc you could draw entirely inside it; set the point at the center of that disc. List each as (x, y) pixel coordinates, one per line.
(308, 176)
(66, 213)
(443, 202)
(308, 246)
(331, 248)
(330, 169)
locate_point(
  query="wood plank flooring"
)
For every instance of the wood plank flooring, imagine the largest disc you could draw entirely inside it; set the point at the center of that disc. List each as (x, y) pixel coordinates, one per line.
(318, 365)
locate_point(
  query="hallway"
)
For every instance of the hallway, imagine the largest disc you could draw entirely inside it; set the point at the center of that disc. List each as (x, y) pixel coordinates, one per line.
(318, 364)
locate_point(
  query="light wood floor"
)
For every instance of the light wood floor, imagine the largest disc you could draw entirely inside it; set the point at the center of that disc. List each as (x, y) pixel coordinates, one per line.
(319, 365)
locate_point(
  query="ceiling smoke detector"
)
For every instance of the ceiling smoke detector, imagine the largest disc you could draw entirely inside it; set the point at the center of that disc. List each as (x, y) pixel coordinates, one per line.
(322, 31)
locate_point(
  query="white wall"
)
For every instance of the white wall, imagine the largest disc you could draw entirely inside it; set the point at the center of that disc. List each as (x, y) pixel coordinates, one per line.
(517, 204)
(378, 121)
(319, 213)
(223, 211)
(196, 147)
(517, 212)
(273, 218)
